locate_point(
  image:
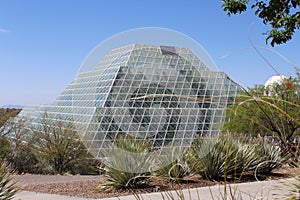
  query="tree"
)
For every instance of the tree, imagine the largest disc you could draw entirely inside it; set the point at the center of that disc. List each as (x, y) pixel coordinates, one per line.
(282, 15)
(273, 110)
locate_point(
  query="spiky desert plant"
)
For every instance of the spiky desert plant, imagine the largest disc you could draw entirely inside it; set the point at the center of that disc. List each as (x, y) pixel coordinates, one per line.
(127, 165)
(7, 189)
(175, 171)
(222, 158)
(173, 165)
(273, 156)
(292, 187)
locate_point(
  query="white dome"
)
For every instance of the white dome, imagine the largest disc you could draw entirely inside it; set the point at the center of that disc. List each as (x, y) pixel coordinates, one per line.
(275, 79)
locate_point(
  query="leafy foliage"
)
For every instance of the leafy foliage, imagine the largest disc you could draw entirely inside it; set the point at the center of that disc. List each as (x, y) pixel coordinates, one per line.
(272, 110)
(57, 144)
(24, 160)
(7, 189)
(283, 16)
(16, 148)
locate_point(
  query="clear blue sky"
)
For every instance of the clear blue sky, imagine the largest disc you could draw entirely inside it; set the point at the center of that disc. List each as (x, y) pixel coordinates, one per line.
(43, 43)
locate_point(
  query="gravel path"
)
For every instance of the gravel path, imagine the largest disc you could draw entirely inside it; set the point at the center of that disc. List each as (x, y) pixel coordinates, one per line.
(31, 179)
(84, 186)
(70, 185)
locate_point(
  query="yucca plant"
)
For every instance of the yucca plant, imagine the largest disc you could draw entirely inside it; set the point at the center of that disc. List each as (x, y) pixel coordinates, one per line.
(128, 164)
(7, 189)
(175, 171)
(273, 156)
(222, 158)
(173, 165)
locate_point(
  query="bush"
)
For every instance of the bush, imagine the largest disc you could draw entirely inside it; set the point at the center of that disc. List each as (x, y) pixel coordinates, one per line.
(175, 171)
(172, 166)
(271, 110)
(127, 164)
(273, 156)
(7, 189)
(4, 149)
(59, 146)
(224, 158)
(24, 160)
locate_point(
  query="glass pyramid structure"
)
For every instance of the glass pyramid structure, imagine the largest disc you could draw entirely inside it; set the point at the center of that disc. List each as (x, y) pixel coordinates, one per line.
(163, 94)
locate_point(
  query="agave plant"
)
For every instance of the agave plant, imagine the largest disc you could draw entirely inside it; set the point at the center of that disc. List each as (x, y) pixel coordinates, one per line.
(7, 189)
(274, 156)
(173, 166)
(222, 158)
(127, 165)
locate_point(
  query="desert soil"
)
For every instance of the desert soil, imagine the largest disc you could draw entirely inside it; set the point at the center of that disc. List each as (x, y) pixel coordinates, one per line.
(84, 186)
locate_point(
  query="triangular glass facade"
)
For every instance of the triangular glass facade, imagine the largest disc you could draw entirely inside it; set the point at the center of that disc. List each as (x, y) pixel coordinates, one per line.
(160, 93)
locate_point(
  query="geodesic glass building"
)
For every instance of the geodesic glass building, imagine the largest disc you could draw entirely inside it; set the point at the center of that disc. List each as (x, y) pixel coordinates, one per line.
(163, 94)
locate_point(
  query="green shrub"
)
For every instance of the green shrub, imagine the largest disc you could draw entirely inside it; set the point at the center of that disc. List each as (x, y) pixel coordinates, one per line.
(273, 156)
(58, 146)
(7, 189)
(4, 149)
(24, 160)
(175, 171)
(271, 110)
(224, 158)
(173, 165)
(127, 165)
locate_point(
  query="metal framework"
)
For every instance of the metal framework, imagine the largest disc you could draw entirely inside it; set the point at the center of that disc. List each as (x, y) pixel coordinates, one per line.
(163, 94)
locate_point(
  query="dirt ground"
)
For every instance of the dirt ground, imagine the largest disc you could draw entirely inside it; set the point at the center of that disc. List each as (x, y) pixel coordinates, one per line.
(84, 186)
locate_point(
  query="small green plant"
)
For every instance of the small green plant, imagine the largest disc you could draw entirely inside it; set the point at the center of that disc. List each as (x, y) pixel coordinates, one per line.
(7, 189)
(173, 165)
(127, 164)
(222, 158)
(273, 156)
(176, 170)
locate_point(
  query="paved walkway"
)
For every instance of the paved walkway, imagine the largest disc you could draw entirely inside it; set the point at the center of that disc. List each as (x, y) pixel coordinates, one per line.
(255, 190)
